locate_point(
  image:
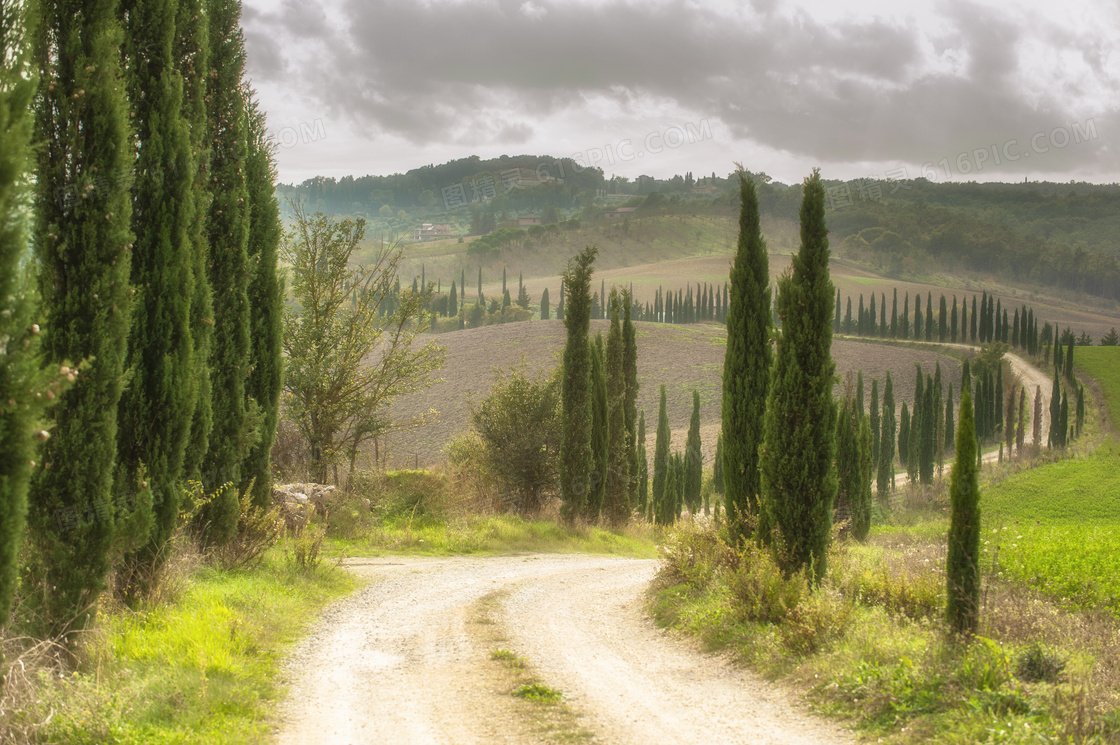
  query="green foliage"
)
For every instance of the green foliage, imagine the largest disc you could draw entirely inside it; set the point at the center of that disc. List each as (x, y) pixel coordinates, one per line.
(616, 507)
(600, 434)
(643, 465)
(746, 366)
(338, 397)
(575, 391)
(83, 207)
(630, 371)
(519, 423)
(266, 306)
(797, 463)
(27, 389)
(884, 480)
(661, 489)
(693, 459)
(227, 229)
(963, 563)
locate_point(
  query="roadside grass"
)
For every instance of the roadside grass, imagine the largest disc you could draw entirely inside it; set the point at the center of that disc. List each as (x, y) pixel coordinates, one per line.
(1103, 365)
(203, 667)
(870, 646)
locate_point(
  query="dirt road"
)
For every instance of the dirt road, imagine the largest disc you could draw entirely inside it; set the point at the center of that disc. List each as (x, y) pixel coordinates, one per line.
(403, 662)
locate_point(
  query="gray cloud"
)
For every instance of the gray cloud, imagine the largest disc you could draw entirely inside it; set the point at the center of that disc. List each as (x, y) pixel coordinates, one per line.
(475, 73)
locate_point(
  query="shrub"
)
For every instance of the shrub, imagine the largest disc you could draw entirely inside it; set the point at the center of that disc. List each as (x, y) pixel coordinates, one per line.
(304, 556)
(258, 529)
(1037, 664)
(764, 593)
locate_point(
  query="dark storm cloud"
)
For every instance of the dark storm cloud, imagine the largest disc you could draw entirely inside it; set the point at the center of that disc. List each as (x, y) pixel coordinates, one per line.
(836, 91)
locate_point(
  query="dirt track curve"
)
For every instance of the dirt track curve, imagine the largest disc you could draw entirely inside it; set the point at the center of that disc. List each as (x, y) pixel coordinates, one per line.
(401, 662)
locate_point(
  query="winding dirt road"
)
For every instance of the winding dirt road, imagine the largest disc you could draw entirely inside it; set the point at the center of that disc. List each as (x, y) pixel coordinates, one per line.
(403, 661)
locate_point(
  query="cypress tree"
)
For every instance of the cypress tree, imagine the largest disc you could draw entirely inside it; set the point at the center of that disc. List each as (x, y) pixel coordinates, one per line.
(797, 464)
(83, 210)
(620, 448)
(575, 391)
(1063, 427)
(883, 315)
(904, 319)
(227, 227)
(630, 370)
(928, 445)
(661, 464)
(1068, 367)
(894, 315)
(963, 563)
(192, 50)
(266, 308)
(942, 321)
(482, 298)
(848, 465)
(693, 458)
(1021, 423)
(859, 393)
(453, 300)
(1054, 438)
(861, 503)
(953, 322)
(600, 433)
(919, 324)
(746, 366)
(861, 326)
(1015, 330)
(544, 303)
(23, 383)
(848, 324)
(160, 351)
(903, 435)
(929, 316)
(874, 420)
(560, 305)
(504, 290)
(643, 465)
(1009, 421)
(717, 466)
(917, 415)
(1036, 420)
(836, 318)
(950, 427)
(997, 402)
(885, 476)
(872, 327)
(972, 324)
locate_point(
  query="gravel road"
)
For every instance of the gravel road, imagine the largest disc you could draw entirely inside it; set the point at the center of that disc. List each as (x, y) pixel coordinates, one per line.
(402, 661)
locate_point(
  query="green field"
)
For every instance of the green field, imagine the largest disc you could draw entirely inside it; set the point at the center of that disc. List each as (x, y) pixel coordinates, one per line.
(1058, 525)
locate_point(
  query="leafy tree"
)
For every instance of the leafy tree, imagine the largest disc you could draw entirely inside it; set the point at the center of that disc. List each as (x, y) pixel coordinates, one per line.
(746, 366)
(693, 458)
(266, 308)
(83, 209)
(346, 360)
(797, 464)
(661, 465)
(617, 506)
(519, 424)
(885, 475)
(963, 564)
(24, 384)
(575, 392)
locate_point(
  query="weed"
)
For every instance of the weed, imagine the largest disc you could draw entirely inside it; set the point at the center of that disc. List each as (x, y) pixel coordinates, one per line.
(538, 692)
(1037, 664)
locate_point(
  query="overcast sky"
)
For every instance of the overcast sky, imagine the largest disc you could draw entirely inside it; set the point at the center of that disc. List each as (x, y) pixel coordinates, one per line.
(949, 89)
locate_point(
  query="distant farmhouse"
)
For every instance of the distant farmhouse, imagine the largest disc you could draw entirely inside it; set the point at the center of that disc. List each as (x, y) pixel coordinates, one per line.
(618, 213)
(431, 232)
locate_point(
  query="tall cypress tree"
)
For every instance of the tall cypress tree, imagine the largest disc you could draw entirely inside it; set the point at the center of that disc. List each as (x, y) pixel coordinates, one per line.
(746, 365)
(617, 506)
(630, 371)
(836, 318)
(1020, 429)
(972, 323)
(883, 315)
(544, 303)
(192, 50)
(903, 435)
(266, 307)
(575, 391)
(963, 563)
(661, 464)
(942, 321)
(1068, 366)
(950, 427)
(452, 300)
(643, 465)
(953, 322)
(885, 476)
(872, 326)
(1054, 438)
(874, 420)
(928, 445)
(929, 316)
(904, 319)
(600, 433)
(23, 383)
(919, 325)
(797, 464)
(161, 349)
(694, 458)
(82, 237)
(894, 315)
(227, 226)
(917, 414)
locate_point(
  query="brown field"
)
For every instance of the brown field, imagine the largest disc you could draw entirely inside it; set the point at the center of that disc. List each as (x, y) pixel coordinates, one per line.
(680, 357)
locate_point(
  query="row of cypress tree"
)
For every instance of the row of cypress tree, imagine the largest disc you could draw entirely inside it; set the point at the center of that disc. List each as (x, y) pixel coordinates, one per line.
(155, 228)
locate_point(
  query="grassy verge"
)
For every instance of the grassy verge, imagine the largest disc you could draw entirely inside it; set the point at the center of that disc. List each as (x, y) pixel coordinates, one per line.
(870, 648)
(204, 667)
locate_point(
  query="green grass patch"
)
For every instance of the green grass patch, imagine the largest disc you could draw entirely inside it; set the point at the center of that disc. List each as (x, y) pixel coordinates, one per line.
(1102, 364)
(538, 692)
(491, 534)
(203, 668)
